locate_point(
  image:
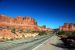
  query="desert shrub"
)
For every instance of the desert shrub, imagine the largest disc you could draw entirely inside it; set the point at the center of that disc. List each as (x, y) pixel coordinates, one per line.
(68, 33)
(42, 33)
(69, 40)
(13, 30)
(61, 33)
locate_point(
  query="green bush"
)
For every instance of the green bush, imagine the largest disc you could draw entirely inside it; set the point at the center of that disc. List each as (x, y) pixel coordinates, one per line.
(13, 30)
(42, 33)
(61, 33)
(68, 33)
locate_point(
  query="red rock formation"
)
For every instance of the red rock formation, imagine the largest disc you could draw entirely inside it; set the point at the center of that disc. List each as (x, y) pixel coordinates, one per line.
(18, 22)
(25, 23)
(67, 27)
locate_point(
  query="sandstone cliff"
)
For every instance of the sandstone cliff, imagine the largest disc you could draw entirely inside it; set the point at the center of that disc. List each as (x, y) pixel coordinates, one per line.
(67, 27)
(9, 24)
(18, 22)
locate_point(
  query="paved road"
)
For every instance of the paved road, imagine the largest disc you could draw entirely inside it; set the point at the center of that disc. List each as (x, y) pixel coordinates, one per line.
(23, 44)
(50, 44)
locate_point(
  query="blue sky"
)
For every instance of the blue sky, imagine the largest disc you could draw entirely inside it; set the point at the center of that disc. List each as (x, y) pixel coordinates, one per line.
(52, 13)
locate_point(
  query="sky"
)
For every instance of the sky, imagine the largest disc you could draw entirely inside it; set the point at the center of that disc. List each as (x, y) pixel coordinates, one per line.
(52, 13)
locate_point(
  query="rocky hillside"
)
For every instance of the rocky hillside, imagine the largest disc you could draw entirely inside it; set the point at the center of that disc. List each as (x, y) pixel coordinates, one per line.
(19, 27)
(67, 27)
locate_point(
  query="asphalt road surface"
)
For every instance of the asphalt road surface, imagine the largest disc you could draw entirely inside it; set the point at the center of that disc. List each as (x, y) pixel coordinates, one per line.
(23, 44)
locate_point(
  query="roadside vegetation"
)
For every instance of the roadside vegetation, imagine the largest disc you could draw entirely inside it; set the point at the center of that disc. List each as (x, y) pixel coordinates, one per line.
(42, 33)
(68, 38)
(13, 30)
(15, 34)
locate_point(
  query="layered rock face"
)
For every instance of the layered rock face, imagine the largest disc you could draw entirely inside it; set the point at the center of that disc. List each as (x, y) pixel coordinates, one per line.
(67, 27)
(18, 22)
(25, 23)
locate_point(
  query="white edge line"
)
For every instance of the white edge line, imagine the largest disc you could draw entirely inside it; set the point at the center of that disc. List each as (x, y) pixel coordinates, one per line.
(40, 44)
